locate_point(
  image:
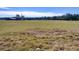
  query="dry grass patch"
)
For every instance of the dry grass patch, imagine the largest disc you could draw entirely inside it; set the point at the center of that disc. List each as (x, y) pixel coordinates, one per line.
(37, 40)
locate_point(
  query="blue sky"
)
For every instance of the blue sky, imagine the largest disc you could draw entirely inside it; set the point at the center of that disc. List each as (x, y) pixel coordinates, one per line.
(37, 11)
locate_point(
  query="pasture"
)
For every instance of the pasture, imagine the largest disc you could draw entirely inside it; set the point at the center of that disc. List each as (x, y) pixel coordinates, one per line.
(39, 35)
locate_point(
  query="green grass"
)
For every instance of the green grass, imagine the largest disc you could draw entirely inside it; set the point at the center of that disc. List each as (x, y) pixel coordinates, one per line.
(39, 35)
(14, 26)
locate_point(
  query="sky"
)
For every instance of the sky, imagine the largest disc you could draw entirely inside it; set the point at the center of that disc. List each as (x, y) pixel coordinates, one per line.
(37, 11)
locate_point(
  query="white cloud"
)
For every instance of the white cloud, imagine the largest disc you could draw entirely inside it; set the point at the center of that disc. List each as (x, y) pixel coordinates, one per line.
(29, 13)
(39, 3)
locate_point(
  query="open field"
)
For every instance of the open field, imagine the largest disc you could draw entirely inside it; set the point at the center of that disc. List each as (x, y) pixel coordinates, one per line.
(39, 35)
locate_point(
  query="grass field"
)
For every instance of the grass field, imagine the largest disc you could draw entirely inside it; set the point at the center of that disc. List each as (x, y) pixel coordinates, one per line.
(48, 35)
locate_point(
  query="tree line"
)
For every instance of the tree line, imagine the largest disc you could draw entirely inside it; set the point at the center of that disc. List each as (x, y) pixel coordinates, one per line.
(63, 17)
